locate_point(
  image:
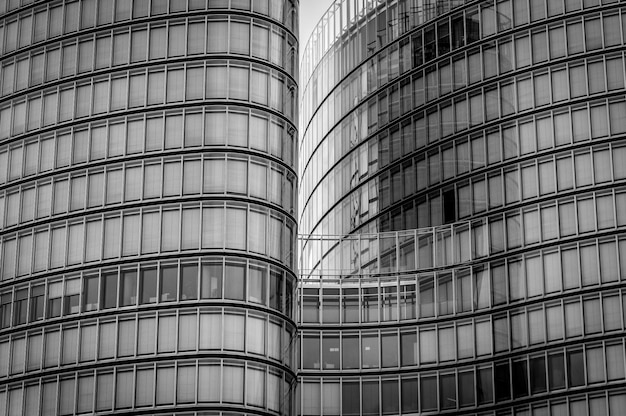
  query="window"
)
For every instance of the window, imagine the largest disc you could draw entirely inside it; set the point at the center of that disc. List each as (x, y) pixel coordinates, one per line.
(565, 174)
(145, 335)
(120, 48)
(156, 87)
(524, 94)
(108, 293)
(573, 320)
(574, 37)
(139, 45)
(369, 350)
(554, 322)
(104, 391)
(187, 332)
(53, 63)
(160, 7)
(90, 293)
(350, 393)
(238, 83)
(217, 36)
(209, 375)
(215, 82)
(103, 52)
(194, 82)
(539, 46)
(599, 123)
(144, 387)
(546, 178)
(168, 285)
(166, 341)
(19, 307)
(175, 85)
(531, 227)
(170, 230)
(556, 38)
(148, 286)
(615, 362)
(350, 351)
(593, 34)
(370, 401)
(234, 332)
(37, 301)
(195, 38)
(176, 39)
(257, 283)
(211, 284)
(277, 91)
(260, 42)
(235, 284)
(190, 229)
(330, 351)
(490, 63)
(66, 110)
(259, 87)
(157, 42)
(255, 335)
(409, 396)
(522, 49)
(618, 124)
(542, 89)
(131, 235)
(239, 38)
(165, 381)
(71, 299)
(614, 70)
(576, 368)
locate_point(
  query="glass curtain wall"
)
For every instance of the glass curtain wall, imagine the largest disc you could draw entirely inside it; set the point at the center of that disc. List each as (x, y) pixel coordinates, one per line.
(147, 206)
(462, 209)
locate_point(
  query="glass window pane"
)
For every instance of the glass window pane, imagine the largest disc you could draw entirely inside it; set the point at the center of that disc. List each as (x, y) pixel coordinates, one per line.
(157, 43)
(234, 281)
(217, 36)
(239, 38)
(148, 286)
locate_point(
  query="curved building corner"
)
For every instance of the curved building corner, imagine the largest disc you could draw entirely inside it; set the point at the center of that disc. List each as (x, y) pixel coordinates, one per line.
(462, 209)
(147, 206)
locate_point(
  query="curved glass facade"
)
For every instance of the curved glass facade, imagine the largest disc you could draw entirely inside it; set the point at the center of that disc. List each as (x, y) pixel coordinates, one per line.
(463, 203)
(147, 206)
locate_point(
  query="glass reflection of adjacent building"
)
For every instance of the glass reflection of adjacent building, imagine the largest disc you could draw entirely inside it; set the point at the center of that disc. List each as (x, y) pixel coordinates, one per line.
(147, 197)
(462, 204)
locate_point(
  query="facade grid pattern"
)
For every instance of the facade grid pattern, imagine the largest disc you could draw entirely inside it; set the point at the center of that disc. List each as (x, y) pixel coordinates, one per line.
(462, 200)
(148, 206)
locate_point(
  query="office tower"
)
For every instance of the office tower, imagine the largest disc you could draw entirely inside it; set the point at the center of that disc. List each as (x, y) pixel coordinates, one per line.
(147, 196)
(463, 204)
